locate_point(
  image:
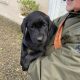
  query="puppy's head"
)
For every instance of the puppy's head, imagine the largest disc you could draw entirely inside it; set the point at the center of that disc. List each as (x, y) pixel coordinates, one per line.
(35, 28)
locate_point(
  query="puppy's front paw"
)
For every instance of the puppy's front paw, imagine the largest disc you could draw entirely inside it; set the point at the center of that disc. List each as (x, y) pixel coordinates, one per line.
(25, 68)
(25, 64)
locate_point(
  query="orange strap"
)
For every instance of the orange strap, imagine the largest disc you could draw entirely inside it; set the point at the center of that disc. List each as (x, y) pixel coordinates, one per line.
(57, 39)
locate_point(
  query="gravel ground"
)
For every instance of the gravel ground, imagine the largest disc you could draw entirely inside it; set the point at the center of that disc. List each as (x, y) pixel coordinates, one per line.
(10, 43)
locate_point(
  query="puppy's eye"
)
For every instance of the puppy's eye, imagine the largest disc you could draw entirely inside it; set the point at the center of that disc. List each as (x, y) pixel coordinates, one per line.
(32, 26)
(45, 25)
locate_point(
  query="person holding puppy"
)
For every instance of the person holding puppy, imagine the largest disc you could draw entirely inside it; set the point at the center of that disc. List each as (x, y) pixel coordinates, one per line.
(62, 60)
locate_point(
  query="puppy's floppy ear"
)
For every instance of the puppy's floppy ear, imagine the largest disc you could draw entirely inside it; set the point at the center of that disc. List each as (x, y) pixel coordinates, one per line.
(47, 18)
(24, 25)
(52, 28)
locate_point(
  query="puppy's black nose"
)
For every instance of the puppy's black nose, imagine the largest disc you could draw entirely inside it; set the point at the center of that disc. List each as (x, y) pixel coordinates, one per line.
(40, 38)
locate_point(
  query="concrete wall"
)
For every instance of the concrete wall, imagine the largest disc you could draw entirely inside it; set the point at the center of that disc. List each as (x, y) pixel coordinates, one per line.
(56, 8)
(10, 9)
(43, 5)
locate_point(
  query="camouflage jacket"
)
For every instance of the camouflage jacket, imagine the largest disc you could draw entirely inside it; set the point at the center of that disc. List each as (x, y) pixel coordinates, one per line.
(63, 63)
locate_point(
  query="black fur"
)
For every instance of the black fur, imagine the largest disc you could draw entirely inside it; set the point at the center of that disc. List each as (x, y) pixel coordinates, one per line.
(37, 30)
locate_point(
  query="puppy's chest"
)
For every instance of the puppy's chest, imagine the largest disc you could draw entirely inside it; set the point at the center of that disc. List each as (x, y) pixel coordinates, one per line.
(30, 51)
(35, 53)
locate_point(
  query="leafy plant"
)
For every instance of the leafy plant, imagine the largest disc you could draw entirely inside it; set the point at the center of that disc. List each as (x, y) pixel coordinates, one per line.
(28, 6)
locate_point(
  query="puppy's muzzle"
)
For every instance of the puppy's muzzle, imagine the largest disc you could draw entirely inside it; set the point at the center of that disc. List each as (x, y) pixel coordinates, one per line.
(40, 38)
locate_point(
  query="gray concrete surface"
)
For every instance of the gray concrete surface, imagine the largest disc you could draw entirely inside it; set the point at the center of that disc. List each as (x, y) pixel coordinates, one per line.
(10, 44)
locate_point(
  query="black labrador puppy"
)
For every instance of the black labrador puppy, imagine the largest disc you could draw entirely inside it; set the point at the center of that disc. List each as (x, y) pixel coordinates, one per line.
(37, 30)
